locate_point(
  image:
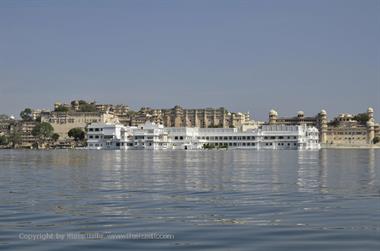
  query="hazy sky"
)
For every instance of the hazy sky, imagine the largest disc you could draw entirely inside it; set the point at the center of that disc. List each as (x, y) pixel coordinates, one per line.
(244, 55)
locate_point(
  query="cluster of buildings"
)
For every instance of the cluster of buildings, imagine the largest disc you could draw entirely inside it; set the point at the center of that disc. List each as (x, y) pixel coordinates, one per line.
(180, 117)
(75, 117)
(10, 127)
(208, 126)
(343, 130)
(157, 137)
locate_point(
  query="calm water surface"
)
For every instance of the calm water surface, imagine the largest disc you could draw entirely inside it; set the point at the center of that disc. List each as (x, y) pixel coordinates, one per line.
(210, 200)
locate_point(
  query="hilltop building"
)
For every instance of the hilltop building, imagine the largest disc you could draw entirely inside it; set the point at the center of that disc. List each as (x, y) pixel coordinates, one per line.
(62, 122)
(173, 117)
(181, 117)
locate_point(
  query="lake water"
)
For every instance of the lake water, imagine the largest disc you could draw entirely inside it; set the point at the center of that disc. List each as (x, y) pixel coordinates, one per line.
(190, 200)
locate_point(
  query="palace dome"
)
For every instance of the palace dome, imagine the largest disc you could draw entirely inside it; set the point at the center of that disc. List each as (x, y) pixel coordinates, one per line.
(273, 113)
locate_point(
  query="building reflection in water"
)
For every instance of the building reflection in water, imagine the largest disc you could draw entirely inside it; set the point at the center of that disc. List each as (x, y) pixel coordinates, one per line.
(337, 170)
(275, 171)
(308, 171)
(323, 171)
(372, 169)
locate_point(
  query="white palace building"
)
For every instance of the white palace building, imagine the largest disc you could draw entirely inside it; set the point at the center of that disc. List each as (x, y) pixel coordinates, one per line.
(152, 136)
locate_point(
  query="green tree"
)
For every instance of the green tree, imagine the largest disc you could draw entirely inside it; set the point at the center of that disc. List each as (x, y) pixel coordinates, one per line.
(55, 137)
(26, 114)
(215, 126)
(333, 123)
(223, 146)
(15, 138)
(82, 102)
(87, 108)
(76, 133)
(362, 118)
(3, 140)
(376, 140)
(61, 108)
(4, 116)
(43, 132)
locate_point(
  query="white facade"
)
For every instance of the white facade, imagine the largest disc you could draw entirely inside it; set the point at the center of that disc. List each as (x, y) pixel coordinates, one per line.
(152, 136)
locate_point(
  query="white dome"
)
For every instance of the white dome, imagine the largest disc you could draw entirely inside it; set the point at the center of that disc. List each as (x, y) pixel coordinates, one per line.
(323, 112)
(370, 109)
(273, 113)
(300, 113)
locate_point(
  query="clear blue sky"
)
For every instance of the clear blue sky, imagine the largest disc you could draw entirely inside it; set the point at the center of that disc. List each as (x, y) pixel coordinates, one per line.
(244, 55)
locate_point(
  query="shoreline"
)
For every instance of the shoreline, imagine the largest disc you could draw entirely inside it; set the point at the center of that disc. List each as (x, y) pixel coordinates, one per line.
(322, 148)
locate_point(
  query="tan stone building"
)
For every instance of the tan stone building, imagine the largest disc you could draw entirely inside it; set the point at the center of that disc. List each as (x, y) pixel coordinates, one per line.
(21, 128)
(181, 117)
(62, 122)
(25, 128)
(118, 110)
(299, 119)
(343, 130)
(5, 126)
